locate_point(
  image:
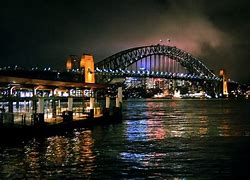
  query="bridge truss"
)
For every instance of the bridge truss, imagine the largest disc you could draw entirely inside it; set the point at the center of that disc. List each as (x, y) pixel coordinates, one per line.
(155, 61)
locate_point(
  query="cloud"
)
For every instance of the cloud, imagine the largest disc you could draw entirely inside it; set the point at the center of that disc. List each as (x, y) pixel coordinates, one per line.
(216, 32)
(190, 29)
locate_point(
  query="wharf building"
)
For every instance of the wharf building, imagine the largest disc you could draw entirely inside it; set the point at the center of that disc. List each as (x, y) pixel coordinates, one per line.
(29, 97)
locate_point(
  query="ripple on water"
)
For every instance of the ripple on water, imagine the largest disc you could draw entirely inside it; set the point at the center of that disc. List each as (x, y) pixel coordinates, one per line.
(157, 139)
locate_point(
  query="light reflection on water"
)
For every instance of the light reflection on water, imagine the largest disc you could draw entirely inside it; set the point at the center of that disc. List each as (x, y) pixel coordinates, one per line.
(157, 139)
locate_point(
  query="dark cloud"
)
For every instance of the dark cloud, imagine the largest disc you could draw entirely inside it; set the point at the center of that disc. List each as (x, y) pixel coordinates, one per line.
(43, 32)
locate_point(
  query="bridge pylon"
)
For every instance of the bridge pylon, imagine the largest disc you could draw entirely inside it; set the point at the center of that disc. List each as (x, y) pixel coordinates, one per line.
(224, 82)
(87, 63)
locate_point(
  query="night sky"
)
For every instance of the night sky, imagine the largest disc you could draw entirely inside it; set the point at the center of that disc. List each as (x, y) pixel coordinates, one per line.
(42, 33)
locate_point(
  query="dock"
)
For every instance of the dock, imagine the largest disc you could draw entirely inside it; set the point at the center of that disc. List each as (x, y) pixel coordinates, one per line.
(18, 131)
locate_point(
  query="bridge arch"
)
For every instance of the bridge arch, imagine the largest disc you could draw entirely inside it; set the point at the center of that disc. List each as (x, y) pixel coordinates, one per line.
(124, 59)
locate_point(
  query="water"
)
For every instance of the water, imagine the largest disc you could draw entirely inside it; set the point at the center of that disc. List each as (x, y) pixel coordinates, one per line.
(158, 139)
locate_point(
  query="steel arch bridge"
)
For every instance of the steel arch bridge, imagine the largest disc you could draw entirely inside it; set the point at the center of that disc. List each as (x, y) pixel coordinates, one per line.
(118, 64)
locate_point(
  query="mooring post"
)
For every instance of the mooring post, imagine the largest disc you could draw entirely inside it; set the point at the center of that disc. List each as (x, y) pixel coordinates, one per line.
(119, 93)
(40, 111)
(70, 103)
(117, 106)
(91, 108)
(59, 106)
(24, 106)
(53, 104)
(117, 102)
(10, 114)
(68, 115)
(107, 108)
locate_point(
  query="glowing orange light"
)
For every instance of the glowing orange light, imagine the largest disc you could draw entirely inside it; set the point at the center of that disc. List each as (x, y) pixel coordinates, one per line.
(69, 63)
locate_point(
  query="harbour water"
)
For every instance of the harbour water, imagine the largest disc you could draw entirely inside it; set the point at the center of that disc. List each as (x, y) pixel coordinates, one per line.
(158, 139)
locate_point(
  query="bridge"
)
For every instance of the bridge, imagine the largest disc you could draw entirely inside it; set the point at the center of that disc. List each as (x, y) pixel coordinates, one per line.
(156, 61)
(34, 91)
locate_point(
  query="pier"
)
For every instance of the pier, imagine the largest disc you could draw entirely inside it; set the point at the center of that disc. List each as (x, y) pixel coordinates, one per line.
(45, 102)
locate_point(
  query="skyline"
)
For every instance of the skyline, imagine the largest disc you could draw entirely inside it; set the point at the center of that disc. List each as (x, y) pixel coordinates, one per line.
(44, 33)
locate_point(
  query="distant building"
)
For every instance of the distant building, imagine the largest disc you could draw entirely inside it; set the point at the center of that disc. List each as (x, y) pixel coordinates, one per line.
(85, 65)
(72, 63)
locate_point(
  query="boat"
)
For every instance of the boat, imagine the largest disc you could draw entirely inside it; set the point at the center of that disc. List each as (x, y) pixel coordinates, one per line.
(162, 96)
(177, 94)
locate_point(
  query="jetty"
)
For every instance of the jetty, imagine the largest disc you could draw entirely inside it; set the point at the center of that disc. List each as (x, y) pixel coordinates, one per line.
(37, 103)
